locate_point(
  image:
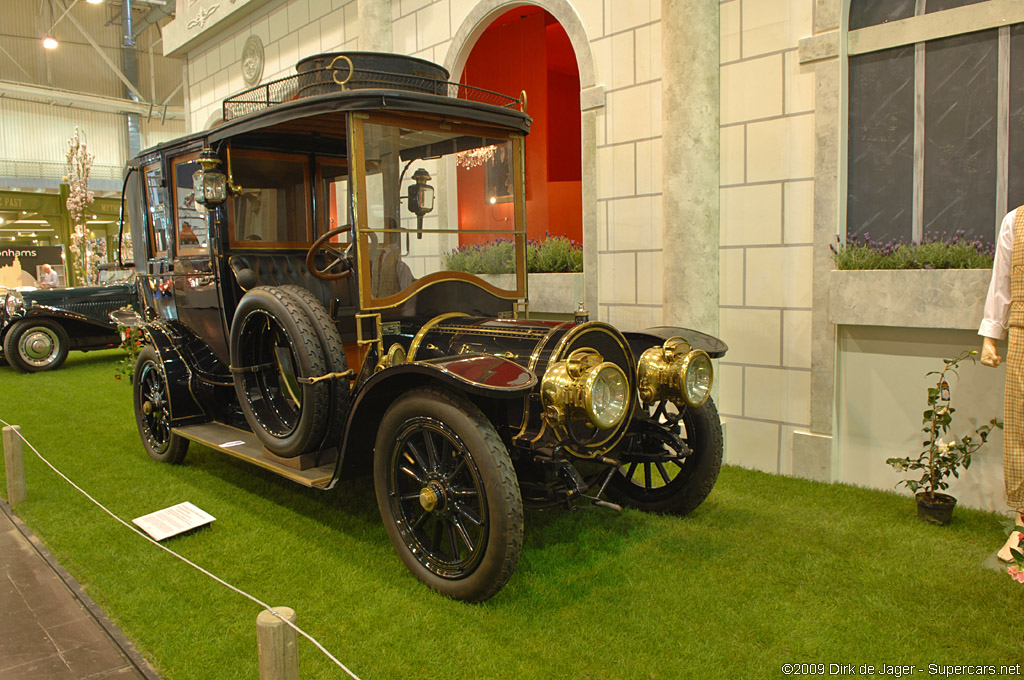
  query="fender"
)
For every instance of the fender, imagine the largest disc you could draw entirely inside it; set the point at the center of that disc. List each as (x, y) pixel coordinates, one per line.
(641, 340)
(183, 405)
(482, 375)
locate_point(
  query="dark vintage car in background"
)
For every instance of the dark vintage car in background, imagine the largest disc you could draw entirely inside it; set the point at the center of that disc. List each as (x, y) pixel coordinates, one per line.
(300, 318)
(39, 327)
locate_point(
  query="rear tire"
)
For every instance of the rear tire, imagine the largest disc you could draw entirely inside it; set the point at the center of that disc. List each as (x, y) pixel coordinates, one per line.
(153, 410)
(274, 344)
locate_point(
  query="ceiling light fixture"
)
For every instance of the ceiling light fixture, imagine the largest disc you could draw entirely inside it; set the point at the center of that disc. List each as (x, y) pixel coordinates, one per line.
(94, 2)
(50, 43)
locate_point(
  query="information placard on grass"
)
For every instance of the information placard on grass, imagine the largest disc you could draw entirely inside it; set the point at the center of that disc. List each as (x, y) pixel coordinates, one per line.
(172, 521)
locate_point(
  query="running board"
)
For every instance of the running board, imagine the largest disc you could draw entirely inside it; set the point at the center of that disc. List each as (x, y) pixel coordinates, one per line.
(246, 446)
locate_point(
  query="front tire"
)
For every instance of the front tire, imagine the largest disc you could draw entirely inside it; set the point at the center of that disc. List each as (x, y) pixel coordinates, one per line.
(671, 486)
(448, 494)
(34, 345)
(153, 410)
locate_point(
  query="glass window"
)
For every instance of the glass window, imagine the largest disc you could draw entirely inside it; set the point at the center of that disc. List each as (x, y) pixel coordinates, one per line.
(874, 12)
(335, 199)
(273, 208)
(881, 144)
(427, 192)
(159, 217)
(960, 135)
(927, 157)
(190, 228)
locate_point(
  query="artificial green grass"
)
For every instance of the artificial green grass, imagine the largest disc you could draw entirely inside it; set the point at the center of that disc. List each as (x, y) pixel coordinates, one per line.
(769, 570)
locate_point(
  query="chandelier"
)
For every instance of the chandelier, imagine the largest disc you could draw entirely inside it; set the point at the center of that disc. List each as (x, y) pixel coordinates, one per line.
(473, 157)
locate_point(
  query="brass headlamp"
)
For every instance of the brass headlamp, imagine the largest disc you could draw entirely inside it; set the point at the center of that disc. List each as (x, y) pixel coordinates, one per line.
(584, 387)
(675, 371)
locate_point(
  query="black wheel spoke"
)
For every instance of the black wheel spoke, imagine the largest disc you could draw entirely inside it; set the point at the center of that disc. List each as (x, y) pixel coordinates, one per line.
(647, 476)
(412, 474)
(631, 471)
(458, 469)
(453, 544)
(419, 520)
(463, 534)
(432, 454)
(664, 474)
(418, 455)
(473, 519)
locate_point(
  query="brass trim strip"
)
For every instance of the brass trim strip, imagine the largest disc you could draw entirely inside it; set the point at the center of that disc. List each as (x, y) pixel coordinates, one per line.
(422, 332)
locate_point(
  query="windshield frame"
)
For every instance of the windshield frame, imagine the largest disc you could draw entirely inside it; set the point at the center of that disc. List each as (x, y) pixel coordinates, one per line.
(363, 231)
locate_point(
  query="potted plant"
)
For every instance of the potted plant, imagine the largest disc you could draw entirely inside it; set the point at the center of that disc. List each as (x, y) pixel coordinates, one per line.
(943, 455)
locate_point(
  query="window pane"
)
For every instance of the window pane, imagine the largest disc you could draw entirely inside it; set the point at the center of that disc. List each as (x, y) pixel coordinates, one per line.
(960, 134)
(190, 219)
(1016, 165)
(273, 206)
(881, 145)
(939, 5)
(159, 220)
(873, 12)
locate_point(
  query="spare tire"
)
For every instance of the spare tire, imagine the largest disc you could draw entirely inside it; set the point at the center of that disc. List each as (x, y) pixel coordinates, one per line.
(334, 353)
(274, 348)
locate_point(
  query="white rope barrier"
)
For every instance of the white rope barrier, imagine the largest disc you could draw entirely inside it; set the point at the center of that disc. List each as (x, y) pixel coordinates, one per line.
(184, 559)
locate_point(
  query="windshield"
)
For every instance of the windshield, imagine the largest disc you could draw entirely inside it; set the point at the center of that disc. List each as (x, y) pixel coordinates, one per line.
(428, 189)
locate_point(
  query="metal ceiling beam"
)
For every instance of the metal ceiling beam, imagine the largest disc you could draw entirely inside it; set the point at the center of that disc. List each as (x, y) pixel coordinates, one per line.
(82, 100)
(107, 60)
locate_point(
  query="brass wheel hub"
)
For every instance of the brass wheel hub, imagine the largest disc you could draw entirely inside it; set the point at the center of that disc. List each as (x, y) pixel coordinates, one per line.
(147, 407)
(432, 496)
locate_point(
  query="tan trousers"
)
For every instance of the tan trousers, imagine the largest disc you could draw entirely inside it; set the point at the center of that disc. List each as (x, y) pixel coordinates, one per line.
(1013, 420)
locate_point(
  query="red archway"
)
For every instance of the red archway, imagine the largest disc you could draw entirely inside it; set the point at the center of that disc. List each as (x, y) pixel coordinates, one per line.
(526, 49)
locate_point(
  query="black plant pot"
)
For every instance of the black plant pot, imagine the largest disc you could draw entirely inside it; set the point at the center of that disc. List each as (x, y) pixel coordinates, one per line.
(937, 509)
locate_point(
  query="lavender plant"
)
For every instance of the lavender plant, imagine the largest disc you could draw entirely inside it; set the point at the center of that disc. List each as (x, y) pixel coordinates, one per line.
(551, 254)
(935, 251)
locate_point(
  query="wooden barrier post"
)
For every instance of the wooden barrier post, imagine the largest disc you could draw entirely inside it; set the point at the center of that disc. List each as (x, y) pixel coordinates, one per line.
(15, 465)
(278, 645)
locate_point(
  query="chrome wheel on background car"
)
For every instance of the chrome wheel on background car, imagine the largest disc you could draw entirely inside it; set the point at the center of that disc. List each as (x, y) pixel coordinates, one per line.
(448, 494)
(36, 345)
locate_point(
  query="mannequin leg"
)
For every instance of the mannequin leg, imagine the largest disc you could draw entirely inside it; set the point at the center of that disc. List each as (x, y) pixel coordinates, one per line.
(1013, 435)
(1013, 541)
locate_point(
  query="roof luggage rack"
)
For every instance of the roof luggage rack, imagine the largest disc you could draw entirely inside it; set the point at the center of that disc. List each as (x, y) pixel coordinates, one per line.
(343, 71)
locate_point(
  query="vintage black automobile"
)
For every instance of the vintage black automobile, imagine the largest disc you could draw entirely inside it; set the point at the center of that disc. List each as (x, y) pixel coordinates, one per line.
(39, 327)
(300, 318)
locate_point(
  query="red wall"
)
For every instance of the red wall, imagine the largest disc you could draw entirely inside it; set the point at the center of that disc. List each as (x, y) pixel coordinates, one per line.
(526, 49)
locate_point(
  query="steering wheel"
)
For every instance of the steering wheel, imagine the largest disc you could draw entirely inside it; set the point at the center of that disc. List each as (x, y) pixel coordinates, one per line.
(342, 259)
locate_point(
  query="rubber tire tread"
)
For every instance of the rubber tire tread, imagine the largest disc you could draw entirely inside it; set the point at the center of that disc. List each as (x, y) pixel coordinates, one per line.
(708, 459)
(334, 352)
(309, 433)
(14, 336)
(178, 445)
(496, 568)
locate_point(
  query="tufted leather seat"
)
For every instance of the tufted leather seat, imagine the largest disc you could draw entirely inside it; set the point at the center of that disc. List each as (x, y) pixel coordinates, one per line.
(279, 269)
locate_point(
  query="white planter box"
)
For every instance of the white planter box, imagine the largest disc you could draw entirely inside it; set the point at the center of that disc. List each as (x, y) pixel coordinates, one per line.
(911, 298)
(556, 293)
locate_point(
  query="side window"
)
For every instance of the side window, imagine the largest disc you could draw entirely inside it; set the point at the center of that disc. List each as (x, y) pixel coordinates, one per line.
(273, 208)
(159, 215)
(334, 190)
(190, 228)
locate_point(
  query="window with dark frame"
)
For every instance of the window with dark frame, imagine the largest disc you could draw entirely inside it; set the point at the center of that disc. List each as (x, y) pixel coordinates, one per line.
(936, 130)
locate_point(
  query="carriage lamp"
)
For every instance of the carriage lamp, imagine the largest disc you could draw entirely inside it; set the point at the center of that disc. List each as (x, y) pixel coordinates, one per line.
(675, 371)
(584, 387)
(209, 182)
(421, 198)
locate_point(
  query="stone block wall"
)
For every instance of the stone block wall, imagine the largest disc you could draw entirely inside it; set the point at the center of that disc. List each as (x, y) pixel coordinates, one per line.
(767, 223)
